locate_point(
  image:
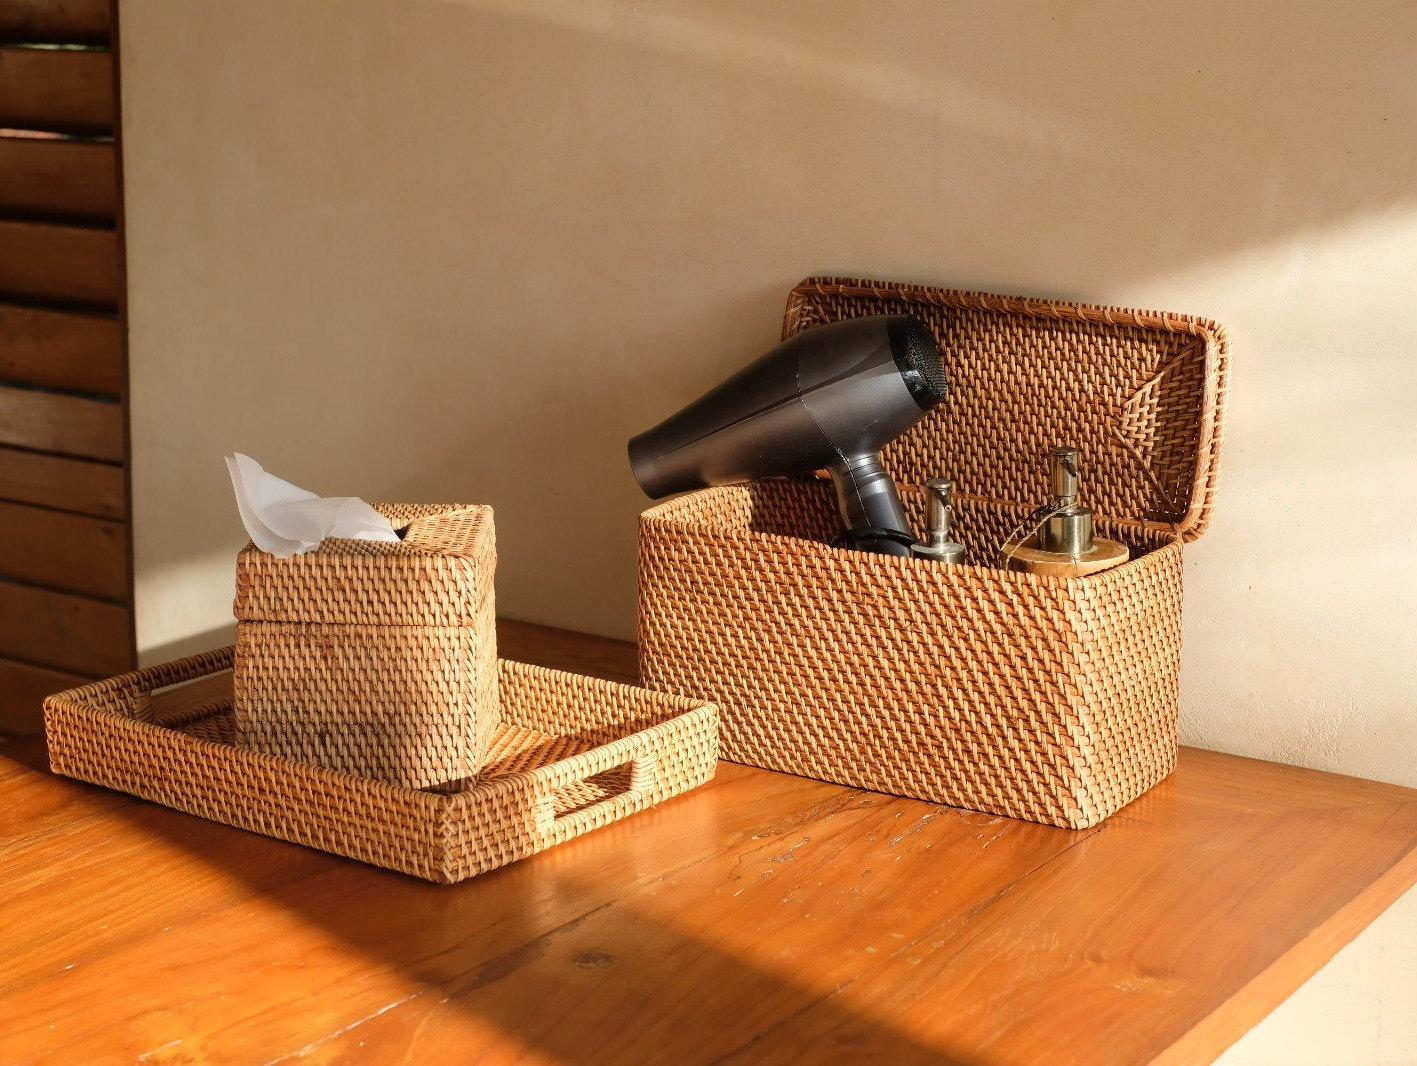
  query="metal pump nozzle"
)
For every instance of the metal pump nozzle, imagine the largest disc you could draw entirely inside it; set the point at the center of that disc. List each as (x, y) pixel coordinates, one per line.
(1068, 530)
(938, 545)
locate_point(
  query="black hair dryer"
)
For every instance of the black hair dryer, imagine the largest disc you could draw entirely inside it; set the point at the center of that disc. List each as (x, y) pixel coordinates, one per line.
(829, 397)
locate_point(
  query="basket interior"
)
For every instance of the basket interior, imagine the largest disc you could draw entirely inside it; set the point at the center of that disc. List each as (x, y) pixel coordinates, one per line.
(806, 511)
(514, 749)
(547, 716)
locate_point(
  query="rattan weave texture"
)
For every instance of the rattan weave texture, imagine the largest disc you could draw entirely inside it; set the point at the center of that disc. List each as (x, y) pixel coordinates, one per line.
(1049, 699)
(573, 754)
(378, 659)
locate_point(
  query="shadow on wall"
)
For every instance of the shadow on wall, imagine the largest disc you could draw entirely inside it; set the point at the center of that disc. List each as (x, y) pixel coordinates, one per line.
(1162, 137)
(486, 242)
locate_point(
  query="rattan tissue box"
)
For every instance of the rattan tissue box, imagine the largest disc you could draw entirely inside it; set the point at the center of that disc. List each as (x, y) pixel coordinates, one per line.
(377, 659)
(1052, 699)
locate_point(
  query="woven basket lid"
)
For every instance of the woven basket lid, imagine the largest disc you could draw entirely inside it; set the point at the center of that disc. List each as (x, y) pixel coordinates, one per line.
(439, 574)
(1140, 394)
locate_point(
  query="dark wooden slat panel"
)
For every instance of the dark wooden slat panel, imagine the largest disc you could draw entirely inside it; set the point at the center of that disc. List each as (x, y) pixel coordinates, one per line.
(62, 631)
(61, 350)
(22, 691)
(74, 553)
(55, 21)
(71, 425)
(68, 484)
(68, 263)
(56, 89)
(56, 177)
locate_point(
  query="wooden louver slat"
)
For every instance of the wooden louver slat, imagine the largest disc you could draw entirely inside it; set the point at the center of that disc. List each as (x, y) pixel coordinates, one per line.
(56, 89)
(73, 553)
(63, 484)
(70, 425)
(65, 263)
(22, 691)
(61, 350)
(55, 21)
(63, 632)
(57, 178)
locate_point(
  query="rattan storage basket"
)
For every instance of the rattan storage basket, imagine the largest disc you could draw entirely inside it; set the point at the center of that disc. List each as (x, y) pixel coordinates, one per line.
(1044, 698)
(571, 755)
(379, 659)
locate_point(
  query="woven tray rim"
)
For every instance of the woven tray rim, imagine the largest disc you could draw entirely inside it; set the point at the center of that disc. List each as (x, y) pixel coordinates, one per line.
(441, 810)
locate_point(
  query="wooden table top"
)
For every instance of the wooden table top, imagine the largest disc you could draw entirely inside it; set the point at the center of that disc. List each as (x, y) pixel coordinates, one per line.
(761, 919)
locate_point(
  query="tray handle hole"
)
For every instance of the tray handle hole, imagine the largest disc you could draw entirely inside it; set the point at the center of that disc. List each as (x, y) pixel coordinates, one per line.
(597, 788)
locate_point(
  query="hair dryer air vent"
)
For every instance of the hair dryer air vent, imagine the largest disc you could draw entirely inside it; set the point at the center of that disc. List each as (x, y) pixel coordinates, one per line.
(918, 358)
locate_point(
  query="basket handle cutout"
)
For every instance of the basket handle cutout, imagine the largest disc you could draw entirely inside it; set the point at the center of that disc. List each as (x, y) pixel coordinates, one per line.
(601, 796)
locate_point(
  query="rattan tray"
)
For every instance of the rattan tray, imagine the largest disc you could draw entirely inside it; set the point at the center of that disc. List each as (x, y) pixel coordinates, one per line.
(572, 754)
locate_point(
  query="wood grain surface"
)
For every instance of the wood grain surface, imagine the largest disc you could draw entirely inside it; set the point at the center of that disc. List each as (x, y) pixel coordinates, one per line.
(61, 350)
(58, 178)
(71, 264)
(64, 569)
(64, 484)
(22, 691)
(55, 422)
(63, 631)
(761, 919)
(70, 552)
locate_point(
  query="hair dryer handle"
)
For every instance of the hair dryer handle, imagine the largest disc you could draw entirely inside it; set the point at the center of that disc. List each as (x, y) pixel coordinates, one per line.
(870, 507)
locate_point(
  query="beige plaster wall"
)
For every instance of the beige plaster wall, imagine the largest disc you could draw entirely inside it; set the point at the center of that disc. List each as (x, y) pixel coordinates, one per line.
(463, 249)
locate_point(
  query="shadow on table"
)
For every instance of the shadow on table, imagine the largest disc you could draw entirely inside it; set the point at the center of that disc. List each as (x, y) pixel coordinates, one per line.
(583, 954)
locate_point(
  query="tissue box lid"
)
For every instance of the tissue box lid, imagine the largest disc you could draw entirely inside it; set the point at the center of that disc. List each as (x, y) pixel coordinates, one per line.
(440, 574)
(1139, 393)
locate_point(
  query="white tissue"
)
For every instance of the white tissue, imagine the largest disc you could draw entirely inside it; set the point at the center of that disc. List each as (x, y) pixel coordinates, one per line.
(285, 520)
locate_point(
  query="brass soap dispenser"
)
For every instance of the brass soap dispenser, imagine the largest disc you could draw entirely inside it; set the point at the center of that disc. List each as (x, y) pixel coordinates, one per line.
(1063, 544)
